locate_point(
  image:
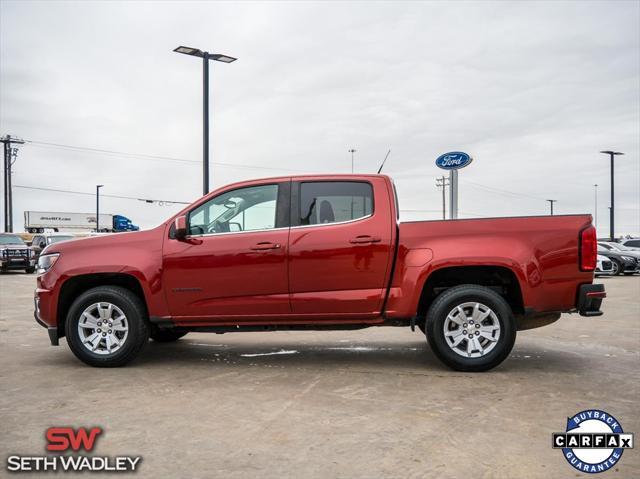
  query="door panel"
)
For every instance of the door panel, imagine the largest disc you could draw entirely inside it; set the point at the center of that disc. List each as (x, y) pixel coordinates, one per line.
(338, 265)
(234, 263)
(227, 274)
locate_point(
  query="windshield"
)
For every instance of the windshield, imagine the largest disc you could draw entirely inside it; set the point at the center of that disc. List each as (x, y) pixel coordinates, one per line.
(10, 239)
(57, 239)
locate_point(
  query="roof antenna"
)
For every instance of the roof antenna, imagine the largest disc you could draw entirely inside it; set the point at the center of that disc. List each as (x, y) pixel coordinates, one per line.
(383, 161)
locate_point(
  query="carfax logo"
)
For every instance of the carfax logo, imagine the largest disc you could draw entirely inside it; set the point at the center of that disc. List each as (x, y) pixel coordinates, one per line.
(65, 439)
(593, 441)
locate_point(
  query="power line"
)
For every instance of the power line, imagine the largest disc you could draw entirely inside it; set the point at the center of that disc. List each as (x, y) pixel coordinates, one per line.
(501, 191)
(146, 200)
(146, 157)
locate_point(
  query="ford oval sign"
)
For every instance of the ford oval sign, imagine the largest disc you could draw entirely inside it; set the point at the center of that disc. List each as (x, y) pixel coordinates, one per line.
(453, 160)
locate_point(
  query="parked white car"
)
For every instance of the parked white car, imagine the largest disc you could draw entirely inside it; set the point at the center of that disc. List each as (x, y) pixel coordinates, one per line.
(604, 266)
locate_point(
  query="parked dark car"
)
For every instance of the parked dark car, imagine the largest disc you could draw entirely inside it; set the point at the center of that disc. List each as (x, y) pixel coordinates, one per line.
(15, 254)
(622, 263)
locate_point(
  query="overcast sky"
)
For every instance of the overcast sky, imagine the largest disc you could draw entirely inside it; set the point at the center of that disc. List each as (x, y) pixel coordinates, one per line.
(532, 90)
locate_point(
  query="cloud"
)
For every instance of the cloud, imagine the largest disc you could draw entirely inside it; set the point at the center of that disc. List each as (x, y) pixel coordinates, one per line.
(533, 90)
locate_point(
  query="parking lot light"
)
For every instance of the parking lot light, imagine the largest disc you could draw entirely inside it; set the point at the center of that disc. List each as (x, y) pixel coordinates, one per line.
(98, 207)
(206, 56)
(612, 207)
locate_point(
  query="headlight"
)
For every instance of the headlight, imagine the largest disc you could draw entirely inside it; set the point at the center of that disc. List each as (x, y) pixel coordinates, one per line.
(629, 258)
(46, 262)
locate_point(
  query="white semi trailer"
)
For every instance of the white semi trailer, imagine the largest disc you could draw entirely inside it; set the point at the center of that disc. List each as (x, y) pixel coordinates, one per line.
(39, 221)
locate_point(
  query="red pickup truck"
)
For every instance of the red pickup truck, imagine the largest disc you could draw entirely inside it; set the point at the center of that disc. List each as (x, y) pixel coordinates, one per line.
(318, 252)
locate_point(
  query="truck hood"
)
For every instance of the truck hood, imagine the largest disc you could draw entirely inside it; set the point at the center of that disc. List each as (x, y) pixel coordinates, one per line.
(106, 242)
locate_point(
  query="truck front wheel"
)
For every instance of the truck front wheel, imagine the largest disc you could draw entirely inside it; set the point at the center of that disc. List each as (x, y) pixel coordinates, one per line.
(106, 326)
(470, 328)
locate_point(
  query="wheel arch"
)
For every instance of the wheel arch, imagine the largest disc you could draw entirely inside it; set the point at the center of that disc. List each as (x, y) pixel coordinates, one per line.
(76, 285)
(501, 279)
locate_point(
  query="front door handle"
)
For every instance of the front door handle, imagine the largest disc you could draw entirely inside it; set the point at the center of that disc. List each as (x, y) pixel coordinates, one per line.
(265, 246)
(364, 239)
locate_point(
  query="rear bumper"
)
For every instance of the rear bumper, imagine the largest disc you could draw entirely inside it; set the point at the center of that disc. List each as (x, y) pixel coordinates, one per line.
(590, 298)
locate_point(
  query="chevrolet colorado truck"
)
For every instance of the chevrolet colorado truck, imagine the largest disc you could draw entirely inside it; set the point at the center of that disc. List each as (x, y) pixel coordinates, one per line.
(318, 252)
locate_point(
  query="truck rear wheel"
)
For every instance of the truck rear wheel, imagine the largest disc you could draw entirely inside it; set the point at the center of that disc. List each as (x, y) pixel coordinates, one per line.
(470, 328)
(106, 326)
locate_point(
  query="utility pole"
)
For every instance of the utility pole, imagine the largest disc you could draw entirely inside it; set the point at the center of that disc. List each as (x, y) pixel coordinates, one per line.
(551, 202)
(352, 151)
(10, 156)
(98, 207)
(442, 182)
(612, 207)
(596, 207)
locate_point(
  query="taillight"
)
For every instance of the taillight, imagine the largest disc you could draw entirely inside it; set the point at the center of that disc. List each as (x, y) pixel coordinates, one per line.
(588, 249)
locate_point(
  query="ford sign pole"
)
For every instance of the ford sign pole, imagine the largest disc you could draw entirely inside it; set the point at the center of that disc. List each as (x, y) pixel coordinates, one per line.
(453, 161)
(453, 194)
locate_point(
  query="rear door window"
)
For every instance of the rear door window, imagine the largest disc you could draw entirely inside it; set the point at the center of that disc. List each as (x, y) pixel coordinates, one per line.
(325, 202)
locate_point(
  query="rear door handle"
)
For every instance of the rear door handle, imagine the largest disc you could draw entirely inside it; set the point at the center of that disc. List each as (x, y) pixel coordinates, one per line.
(364, 239)
(265, 246)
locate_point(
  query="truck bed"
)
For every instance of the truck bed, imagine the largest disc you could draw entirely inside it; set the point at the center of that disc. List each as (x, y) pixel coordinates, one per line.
(542, 251)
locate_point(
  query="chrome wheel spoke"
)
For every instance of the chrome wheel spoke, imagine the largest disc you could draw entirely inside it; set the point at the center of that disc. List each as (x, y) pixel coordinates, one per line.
(89, 320)
(114, 339)
(477, 346)
(489, 336)
(90, 339)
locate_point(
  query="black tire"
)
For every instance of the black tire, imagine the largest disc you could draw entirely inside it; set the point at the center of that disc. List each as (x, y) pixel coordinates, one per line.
(617, 267)
(457, 295)
(166, 335)
(134, 310)
(30, 270)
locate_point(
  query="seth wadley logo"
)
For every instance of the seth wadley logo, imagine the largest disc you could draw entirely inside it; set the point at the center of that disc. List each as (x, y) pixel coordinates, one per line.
(593, 441)
(65, 439)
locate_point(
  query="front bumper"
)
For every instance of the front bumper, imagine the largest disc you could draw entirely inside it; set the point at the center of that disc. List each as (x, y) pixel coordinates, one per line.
(51, 330)
(9, 263)
(590, 298)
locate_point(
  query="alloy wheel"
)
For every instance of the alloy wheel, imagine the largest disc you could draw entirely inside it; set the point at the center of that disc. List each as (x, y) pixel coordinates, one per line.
(472, 330)
(103, 328)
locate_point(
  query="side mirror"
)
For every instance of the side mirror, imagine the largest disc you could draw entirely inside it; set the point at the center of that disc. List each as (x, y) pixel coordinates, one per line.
(180, 226)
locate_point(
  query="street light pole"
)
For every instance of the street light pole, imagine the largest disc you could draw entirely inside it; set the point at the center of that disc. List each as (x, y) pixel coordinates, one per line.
(98, 207)
(551, 202)
(612, 208)
(206, 56)
(352, 151)
(205, 123)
